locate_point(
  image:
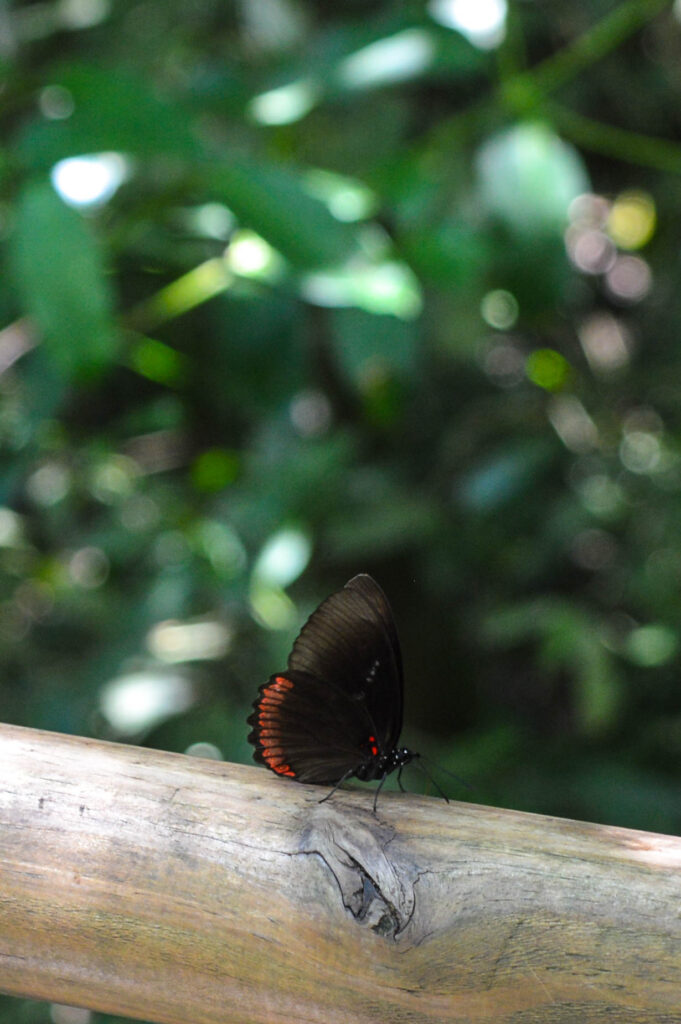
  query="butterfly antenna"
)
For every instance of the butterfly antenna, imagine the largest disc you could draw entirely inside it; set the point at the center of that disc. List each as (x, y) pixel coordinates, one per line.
(445, 771)
(430, 777)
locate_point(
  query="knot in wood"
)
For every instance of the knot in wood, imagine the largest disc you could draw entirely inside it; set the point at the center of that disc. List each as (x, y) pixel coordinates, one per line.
(375, 888)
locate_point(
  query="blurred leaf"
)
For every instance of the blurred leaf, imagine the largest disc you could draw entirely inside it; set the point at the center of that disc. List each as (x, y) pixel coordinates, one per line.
(528, 177)
(61, 280)
(566, 639)
(599, 693)
(380, 518)
(275, 202)
(396, 47)
(447, 253)
(159, 362)
(113, 110)
(366, 345)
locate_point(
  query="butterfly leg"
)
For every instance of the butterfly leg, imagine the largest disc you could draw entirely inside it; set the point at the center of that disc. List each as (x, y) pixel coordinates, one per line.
(399, 778)
(378, 790)
(340, 782)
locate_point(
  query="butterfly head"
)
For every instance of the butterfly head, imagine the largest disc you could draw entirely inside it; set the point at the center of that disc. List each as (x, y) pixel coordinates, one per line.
(401, 756)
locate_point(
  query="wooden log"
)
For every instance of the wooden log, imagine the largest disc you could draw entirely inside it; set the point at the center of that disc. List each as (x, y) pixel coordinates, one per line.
(172, 888)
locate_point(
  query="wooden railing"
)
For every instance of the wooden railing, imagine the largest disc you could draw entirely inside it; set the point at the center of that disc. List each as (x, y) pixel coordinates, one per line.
(174, 889)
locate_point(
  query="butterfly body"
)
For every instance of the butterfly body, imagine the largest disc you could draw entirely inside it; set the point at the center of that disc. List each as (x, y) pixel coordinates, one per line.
(336, 711)
(383, 764)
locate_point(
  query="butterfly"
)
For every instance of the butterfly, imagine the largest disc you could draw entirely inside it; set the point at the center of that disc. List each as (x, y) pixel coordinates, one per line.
(336, 711)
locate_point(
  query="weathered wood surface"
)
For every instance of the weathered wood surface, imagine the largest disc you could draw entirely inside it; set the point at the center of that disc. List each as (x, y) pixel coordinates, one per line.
(173, 889)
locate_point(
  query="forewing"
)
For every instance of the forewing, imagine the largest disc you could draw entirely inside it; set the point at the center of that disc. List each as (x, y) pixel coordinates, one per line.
(306, 731)
(350, 645)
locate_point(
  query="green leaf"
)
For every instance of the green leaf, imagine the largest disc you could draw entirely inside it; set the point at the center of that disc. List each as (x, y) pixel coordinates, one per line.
(274, 202)
(113, 111)
(60, 278)
(567, 639)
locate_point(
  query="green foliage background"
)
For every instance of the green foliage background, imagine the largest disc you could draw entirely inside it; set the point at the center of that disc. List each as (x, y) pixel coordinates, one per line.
(199, 428)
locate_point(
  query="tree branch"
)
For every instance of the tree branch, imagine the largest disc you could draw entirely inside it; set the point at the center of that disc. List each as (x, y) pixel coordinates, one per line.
(619, 143)
(171, 888)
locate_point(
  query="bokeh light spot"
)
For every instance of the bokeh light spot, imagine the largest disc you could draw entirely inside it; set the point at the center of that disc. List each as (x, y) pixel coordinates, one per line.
(84, 181)
(89, 567)
(548, 369)
(600, 495)
(629, 279)
(204, 749)
(572, 423)
(215, 469)
(386, 287)
(140, 700)
(482, 22)
(271, 27)
(504, 364)
(114, 478)
(632, 220)
(499, 309)
(605, 343)
(590, 249)
(528, 177)
(589, 210)
(649, 646)
(69, 1014)
(249, 255)
(271, 607)
(214, 220)
(283, 557)
(347, 199)
(79, 14)
(203, 640)
(310, 413)
(640, 452)
(393, 59)
(11, 532)
(56, 102)
(48, 484)
(285, 105)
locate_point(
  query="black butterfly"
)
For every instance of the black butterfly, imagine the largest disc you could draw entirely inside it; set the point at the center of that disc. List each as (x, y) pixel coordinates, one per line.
(337, 709)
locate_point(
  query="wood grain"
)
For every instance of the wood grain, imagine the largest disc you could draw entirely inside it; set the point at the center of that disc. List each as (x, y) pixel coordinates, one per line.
(171, 888)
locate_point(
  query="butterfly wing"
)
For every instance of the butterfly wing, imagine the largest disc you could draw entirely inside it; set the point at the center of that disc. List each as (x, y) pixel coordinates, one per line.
(308, 732)
(339, 704)
(350, 643)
